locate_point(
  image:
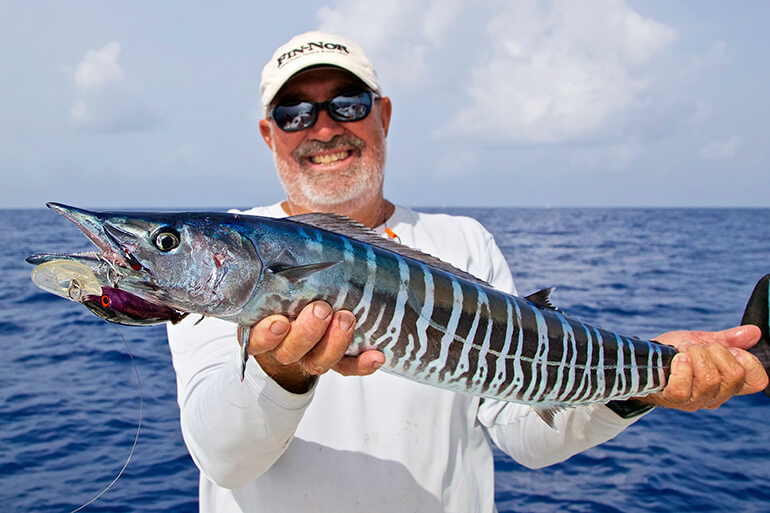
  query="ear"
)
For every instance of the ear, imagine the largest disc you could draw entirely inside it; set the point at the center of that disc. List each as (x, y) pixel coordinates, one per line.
(385, 110)
(266, 132)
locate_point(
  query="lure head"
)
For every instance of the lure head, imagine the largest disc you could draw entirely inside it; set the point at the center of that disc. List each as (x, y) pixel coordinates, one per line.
(199, 263)
(83, 278)
(122, 307)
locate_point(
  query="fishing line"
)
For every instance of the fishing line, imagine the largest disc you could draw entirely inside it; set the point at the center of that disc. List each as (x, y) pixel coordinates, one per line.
(138, 427)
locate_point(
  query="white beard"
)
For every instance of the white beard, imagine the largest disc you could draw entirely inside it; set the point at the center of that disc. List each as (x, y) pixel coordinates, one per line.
(358, 184)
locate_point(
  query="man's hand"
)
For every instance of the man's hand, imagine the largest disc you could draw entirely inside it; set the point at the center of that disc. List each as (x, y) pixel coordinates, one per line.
(293, 353)
(710, 368)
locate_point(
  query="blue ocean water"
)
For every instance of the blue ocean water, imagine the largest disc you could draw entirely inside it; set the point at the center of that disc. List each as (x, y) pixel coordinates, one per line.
(69, 400)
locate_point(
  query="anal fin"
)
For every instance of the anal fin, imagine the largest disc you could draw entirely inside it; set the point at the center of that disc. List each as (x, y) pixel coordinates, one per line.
(548, 414)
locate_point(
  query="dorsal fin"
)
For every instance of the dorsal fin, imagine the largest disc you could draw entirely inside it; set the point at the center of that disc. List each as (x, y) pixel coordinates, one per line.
(542, 298)
(345, 226)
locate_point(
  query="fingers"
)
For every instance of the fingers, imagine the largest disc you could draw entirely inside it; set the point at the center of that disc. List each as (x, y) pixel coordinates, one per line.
(678, 391)
(711, 368)
(362, 365)
(332, 346)
(267, 334)
(313, 343)
(705, 376)
(742, 337)
(329, 353)
(305, 332)
(290, 342)
(717, 375)
(755, 378)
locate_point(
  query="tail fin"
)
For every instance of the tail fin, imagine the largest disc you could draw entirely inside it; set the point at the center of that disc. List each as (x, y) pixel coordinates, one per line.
(757, 314)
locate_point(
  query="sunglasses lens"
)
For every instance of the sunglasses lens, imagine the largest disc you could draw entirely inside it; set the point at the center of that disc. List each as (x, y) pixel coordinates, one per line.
(351, 107)
(295, 116)
(292, 117)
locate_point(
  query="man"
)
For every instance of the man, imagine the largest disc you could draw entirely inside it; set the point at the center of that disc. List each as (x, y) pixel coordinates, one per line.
(285, 440)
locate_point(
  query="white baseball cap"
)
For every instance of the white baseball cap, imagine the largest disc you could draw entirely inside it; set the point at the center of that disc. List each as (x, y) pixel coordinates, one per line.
(315, 49)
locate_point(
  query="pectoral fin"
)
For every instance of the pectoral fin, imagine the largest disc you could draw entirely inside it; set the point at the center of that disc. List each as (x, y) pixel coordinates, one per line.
(299, 272)
(243, 339)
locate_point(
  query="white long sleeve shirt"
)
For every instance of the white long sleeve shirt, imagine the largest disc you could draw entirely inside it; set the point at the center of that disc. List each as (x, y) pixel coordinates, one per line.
(378, 443)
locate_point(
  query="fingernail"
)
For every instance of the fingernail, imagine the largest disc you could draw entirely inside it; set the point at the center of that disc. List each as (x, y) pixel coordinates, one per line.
(346, 322)
(321, 310)
(278, 327)
(735, 351)
(377, 365)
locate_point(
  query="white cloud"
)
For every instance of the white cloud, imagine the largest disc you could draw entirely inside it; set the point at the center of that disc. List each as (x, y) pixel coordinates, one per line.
(596, 81)
(721, 149)
(563, 71)
(106, 101)
(99, 67)
(397, 35)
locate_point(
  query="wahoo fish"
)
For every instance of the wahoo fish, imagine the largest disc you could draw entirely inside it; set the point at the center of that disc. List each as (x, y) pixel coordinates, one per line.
(434, 323)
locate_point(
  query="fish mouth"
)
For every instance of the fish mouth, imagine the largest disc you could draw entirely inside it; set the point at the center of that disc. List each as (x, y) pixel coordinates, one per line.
(89, 257)
(104, 235)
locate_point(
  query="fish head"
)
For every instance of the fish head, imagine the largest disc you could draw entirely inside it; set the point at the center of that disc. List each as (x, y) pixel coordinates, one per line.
(195, 263)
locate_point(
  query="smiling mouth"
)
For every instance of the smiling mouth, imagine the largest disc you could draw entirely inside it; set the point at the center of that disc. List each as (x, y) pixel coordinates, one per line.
(337, 150)
(330, 158)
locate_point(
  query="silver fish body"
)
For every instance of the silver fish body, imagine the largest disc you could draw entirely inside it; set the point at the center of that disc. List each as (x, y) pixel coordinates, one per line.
(438, 326)
(434, 323)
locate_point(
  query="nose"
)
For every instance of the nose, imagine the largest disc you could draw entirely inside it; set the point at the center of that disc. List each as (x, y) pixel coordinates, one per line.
(325, 127)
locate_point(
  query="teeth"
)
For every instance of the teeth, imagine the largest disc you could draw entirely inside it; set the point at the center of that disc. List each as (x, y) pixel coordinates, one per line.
(328, 159)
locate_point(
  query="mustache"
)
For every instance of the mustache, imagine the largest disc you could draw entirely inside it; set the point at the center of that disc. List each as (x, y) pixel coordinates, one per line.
(338, 141)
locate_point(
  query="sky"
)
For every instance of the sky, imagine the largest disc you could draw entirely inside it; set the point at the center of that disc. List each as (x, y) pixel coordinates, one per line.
(495, 103)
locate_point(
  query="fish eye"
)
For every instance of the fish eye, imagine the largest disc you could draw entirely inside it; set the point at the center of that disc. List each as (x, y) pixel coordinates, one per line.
(166, 239)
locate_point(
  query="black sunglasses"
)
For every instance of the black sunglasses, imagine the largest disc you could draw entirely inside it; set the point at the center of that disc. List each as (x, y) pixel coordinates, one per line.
(296, 116)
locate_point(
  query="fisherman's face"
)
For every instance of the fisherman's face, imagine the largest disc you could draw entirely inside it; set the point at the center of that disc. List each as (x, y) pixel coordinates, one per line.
(331, 163)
